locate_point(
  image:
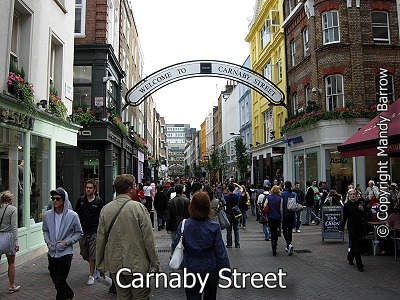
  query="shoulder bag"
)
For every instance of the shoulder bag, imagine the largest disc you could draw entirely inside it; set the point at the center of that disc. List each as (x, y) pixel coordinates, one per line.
(223, 218)
(292, 204)
(237, 213)
(177, 256)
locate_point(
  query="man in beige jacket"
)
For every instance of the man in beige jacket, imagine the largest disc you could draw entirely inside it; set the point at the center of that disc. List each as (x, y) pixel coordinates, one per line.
(130, 242)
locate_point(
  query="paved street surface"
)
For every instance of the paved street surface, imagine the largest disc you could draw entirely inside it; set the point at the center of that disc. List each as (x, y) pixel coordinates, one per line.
(316, 271)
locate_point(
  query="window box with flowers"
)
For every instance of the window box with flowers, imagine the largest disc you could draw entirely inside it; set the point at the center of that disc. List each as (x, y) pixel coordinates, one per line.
(82, 116)
(121, 126)
(348, 114)
(138, 142)
(22, 90)
(56, 106)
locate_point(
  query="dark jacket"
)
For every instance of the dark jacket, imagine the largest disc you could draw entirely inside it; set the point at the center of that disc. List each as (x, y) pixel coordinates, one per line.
(205, 251)
(301, 196)
(309, 197)
(178, 209)
(354, 218)
(160, 202)
(243, 202)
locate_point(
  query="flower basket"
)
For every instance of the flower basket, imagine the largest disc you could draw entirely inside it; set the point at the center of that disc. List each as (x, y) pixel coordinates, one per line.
(348, 114)
(23, 91)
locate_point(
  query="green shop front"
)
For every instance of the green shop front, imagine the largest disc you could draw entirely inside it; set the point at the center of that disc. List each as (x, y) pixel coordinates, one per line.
(29, 147)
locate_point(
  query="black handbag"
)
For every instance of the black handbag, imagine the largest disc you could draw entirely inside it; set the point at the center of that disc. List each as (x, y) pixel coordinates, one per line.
(237, 213)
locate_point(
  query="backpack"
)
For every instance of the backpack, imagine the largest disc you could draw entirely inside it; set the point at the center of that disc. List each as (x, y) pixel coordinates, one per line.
(266, 208)
(292, 204)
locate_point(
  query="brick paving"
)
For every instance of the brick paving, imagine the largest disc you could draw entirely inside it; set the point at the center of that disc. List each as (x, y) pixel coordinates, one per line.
(322, 273)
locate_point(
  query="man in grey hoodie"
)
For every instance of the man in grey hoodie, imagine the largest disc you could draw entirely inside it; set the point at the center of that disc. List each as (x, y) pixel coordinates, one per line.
(61, 229)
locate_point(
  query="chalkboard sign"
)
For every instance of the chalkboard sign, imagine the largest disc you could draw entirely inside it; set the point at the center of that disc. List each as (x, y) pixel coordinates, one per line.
(331, 218)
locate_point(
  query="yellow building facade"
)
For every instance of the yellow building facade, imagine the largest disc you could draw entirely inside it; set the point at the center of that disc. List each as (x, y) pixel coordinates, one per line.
(203, 142)
(267, 57)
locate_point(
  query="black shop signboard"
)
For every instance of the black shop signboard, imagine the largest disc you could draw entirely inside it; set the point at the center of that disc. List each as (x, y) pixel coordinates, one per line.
(331, 218)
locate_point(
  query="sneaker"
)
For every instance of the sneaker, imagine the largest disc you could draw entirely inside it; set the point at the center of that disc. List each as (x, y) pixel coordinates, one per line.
(90, 280)
(287, 249)
(318, 221)
(312, 222)
(227, 246)
(244, 227)
(294, 230)
(298, 231)
(290, 250)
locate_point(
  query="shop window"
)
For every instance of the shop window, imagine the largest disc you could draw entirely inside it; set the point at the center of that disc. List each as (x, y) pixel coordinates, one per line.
(83, 86)
(312, 166)
(40, 176)
(90, 168)
(12, 168)
(340, 172)
(299, 169)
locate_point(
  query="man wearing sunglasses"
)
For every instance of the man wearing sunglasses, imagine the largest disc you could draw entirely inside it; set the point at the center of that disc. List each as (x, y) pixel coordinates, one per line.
(61, 229)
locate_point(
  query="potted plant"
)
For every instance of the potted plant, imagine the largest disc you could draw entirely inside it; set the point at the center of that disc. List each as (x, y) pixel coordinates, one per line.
(22, 90)
(81, 115)
(56, 106)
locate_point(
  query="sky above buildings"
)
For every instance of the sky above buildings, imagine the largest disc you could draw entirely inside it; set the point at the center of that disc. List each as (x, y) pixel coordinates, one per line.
(176, 31)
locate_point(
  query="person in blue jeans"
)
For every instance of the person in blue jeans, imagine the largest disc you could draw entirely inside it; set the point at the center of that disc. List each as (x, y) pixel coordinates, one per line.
(205, 253)
(232, 199)
(260, 205)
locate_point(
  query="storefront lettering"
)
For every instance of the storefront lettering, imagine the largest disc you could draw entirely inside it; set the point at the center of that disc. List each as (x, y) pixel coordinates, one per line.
(85, 132)
(295, 140)
(338, 160)
(15, 118)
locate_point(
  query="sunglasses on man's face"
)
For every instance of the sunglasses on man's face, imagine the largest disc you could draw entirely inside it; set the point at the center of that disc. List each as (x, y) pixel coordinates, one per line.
(56, 198)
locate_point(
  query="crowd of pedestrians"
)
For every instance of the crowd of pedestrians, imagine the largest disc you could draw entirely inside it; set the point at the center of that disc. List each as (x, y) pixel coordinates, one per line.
(121, 233)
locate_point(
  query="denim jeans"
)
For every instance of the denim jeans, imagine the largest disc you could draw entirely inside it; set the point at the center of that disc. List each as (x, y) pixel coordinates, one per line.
(161, 218)
(297, 220)
(244, 218)
(235, 227)
(59, 269)
(267, 232)
(253, 208)
(309, 215)
(287, 226)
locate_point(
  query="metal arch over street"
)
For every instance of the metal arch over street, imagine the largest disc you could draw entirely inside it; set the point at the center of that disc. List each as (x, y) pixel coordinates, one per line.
(204, 68)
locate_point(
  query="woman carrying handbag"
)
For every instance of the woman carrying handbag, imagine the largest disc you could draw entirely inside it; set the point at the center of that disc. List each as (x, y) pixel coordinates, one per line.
(205, 252)
(275, 215)
(9, 235)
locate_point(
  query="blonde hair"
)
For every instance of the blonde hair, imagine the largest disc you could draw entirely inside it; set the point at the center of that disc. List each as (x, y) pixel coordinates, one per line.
(276, 190)
(6, 197)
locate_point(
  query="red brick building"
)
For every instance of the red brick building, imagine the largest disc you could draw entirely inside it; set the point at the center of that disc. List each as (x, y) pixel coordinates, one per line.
(337, 53)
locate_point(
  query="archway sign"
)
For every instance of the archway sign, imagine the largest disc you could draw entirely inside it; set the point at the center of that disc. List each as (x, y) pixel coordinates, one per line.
(204, 68)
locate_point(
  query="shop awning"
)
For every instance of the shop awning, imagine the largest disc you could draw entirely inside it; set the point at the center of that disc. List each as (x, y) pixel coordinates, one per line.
(365, 141)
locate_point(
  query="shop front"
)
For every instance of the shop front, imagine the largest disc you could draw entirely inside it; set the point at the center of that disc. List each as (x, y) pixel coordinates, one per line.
(102, 153)
(312, 154)
(28, 159)
(268, 162)
(377, 141)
